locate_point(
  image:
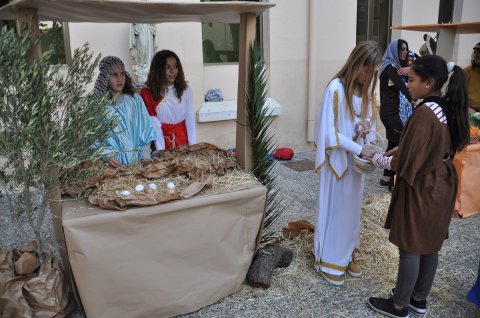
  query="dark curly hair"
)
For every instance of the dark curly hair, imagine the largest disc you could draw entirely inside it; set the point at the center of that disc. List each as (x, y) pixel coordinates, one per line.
(129, 88)
(157, 80)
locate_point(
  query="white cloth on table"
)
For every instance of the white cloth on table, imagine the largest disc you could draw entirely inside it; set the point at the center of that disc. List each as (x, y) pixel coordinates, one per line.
(337, 226)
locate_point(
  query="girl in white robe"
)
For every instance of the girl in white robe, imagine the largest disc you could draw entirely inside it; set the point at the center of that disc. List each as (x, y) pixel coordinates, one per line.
(347, 110)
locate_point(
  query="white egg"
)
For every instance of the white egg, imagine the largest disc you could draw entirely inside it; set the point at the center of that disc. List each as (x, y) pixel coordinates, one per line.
(139, 187)
(152, 186)
(170, 185)
(125, 193)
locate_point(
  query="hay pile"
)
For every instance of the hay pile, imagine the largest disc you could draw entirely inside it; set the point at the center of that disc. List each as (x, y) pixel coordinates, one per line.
(375, 253)
(379, 260)
(299, 291)
(197, 161)
(188, 169)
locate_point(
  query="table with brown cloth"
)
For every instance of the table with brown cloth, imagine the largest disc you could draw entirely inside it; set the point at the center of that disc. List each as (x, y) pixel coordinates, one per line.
(166, 259)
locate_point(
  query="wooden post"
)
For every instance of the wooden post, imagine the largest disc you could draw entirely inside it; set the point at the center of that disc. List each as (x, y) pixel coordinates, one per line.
(27, 18)
(446, 42)
(243, 137)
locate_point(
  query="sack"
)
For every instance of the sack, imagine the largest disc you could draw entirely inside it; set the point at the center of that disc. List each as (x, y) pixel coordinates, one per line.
(40, 291)
(283, 154)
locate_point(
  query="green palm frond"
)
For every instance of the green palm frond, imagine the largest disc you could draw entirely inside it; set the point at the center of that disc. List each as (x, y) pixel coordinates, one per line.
(474, 119)
(262, 140)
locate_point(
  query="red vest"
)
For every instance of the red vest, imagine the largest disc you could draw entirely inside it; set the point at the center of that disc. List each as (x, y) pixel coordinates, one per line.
(175, 134)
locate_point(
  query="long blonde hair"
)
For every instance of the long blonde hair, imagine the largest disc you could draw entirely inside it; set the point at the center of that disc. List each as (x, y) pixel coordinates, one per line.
(366, 53)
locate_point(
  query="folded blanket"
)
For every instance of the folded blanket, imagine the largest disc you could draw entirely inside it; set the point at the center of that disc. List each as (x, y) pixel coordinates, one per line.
(214, 95)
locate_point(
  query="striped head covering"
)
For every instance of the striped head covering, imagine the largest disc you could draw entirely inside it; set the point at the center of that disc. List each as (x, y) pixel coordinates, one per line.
(106, 64)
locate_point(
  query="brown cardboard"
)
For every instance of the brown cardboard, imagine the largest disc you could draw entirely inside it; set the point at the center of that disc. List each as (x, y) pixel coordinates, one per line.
(467, 164)
(162, 260)
(26, 264)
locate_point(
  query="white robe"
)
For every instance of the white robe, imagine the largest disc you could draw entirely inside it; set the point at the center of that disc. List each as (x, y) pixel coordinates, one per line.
(171, 110)
(337, 226)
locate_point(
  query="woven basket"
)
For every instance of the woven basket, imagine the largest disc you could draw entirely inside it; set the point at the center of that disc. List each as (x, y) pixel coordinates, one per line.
(363, 165)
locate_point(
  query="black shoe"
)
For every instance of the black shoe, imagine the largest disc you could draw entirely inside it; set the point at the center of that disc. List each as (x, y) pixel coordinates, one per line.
(386, 307)
(417, 306)
(388, 183)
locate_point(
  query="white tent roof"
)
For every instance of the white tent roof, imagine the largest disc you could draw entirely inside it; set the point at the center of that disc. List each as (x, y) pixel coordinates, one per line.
(138, 11)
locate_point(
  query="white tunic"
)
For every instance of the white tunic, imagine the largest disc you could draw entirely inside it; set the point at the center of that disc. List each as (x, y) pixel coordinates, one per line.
(171, 110)
(337, 226)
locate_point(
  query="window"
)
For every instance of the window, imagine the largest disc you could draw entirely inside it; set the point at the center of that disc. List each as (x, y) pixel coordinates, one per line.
(54, 38)
(221, 40)
(373, 21)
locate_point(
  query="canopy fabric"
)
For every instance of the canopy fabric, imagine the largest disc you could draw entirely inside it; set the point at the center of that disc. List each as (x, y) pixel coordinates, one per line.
(134, 11)
(461, 27)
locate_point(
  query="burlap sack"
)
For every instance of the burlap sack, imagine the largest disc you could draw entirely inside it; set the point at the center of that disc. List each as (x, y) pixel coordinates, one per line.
(47, 294)
(6, 273)
(39, 292)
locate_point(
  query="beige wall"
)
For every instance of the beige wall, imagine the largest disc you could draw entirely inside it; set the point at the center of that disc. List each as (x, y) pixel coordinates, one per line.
(426, 12)
(287, 41)
(416, 12)
(469, 13)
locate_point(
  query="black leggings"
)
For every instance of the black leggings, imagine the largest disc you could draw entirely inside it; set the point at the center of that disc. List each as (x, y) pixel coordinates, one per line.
(387, 172)
(415, 277)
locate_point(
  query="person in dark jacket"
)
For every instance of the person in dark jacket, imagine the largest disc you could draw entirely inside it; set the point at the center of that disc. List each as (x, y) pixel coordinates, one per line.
(395, 107)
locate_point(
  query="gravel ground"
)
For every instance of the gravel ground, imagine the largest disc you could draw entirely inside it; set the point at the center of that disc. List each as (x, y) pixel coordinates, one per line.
(310, 296)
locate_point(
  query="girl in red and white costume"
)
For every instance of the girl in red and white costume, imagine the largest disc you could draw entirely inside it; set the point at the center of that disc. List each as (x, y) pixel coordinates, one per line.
(169, 102)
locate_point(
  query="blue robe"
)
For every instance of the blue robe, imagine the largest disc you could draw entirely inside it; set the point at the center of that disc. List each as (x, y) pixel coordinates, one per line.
(130, 140)
(474, 294)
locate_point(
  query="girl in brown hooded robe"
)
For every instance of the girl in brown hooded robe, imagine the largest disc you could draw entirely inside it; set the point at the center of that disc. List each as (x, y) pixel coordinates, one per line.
(424, 194)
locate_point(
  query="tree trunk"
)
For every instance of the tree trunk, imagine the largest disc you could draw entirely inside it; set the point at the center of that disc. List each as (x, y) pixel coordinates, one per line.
(265, 261)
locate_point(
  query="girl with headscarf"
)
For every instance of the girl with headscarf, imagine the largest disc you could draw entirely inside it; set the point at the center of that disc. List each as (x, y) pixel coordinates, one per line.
(130, 140)
(395, 107)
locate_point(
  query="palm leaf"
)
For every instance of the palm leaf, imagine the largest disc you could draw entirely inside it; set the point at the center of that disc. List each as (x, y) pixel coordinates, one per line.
(262, 140)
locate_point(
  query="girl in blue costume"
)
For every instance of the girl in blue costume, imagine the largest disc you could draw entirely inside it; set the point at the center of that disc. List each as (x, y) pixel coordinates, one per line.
(130, 140)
